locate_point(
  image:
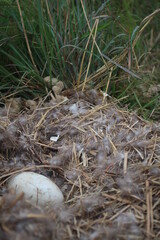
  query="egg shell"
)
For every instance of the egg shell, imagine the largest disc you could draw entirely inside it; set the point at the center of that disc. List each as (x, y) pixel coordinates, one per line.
(37, 188)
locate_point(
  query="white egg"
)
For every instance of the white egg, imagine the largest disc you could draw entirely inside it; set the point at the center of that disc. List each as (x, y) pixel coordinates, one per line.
(37, 188)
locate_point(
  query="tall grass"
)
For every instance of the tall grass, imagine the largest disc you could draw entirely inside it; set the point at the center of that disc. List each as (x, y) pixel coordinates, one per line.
(41, 38)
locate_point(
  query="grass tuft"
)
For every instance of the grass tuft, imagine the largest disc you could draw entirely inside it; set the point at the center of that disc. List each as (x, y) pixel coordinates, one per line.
(81, 43)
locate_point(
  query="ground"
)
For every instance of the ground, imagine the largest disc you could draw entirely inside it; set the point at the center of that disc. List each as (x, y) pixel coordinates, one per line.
(105, 160)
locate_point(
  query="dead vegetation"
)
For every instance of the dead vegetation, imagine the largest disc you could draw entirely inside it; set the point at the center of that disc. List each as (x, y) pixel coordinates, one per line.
(106, 161)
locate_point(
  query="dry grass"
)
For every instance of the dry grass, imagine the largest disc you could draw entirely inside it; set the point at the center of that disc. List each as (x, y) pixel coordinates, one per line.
(106, 162)
(111, 64)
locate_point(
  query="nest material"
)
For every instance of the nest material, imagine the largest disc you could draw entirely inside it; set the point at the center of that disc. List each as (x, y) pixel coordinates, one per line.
(106, 161)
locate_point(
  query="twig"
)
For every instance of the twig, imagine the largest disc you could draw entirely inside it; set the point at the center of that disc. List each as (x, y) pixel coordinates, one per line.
(90, 58)
(83, 57)
(25, 35)
(149, 220)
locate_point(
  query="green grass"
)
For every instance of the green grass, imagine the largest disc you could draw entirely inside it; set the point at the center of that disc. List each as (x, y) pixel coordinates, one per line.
(56, 36)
